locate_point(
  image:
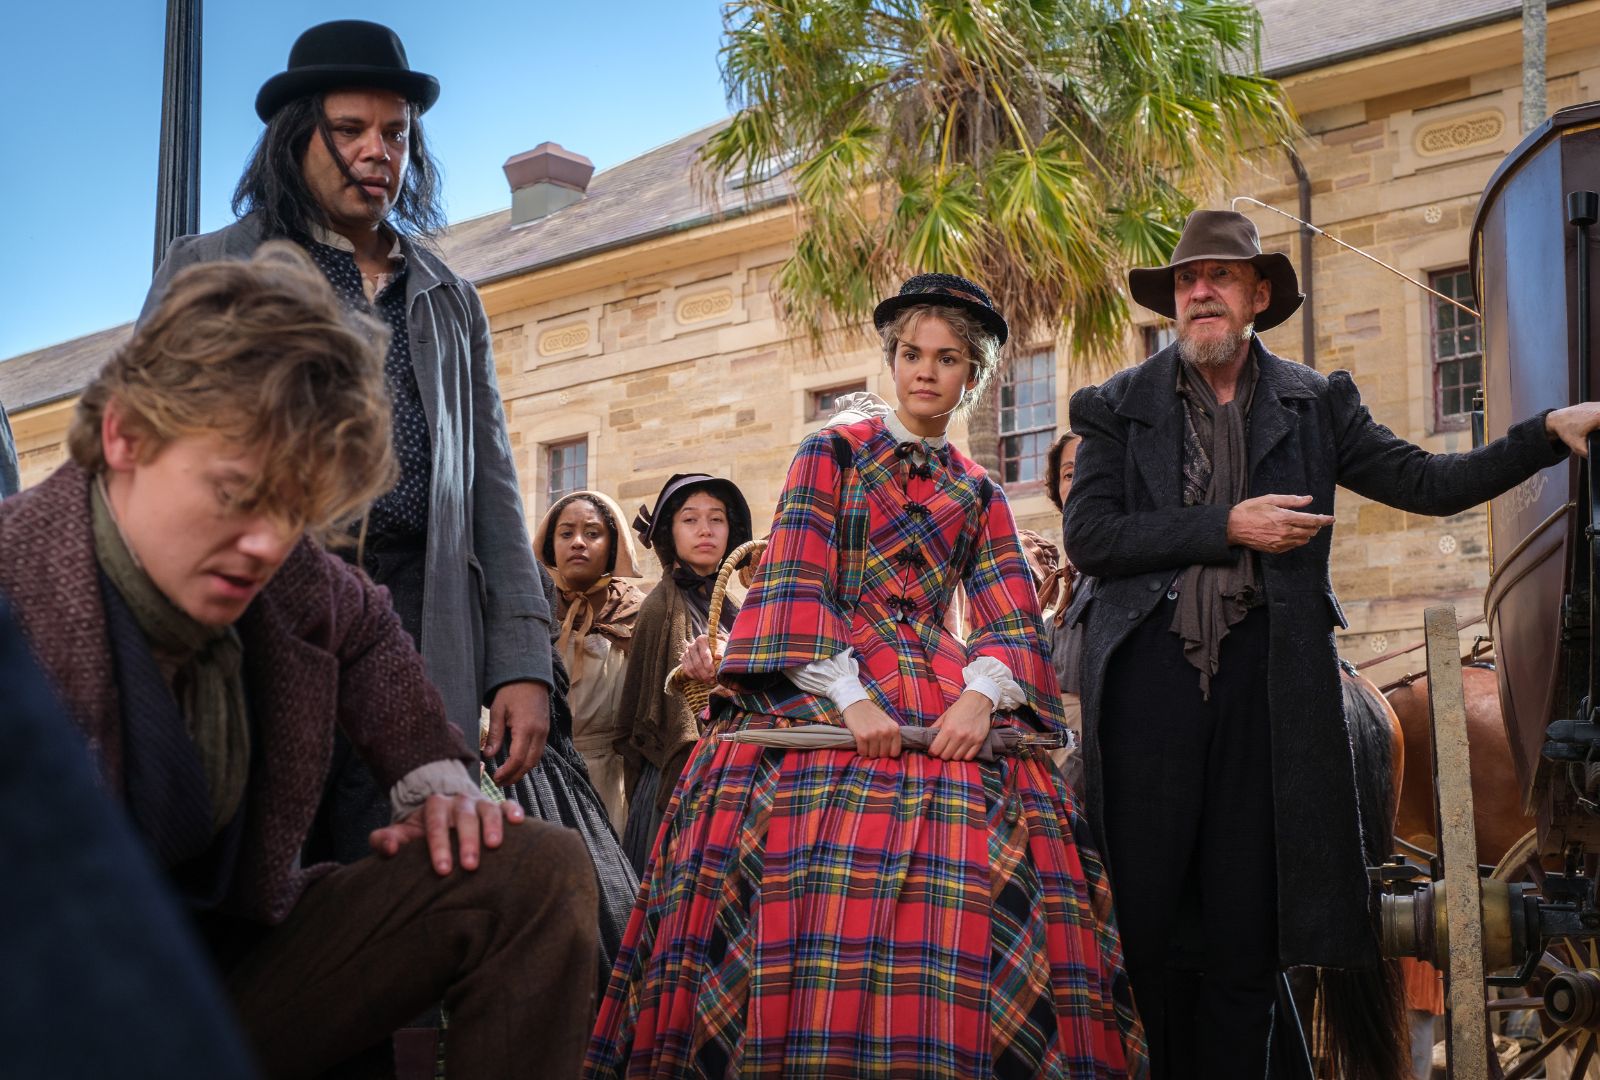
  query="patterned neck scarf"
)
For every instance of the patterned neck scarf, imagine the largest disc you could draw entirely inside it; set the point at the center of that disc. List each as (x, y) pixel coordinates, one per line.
(922, 452)
(605, 608)
(1053, 575)
(206, 664)
(1212, 598)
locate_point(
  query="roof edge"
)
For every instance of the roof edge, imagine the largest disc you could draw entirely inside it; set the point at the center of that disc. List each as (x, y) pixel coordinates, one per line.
(745, 209)
(1378, 48)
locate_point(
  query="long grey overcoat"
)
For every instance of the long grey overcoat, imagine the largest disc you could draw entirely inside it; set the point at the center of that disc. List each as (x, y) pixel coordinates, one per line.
(1126, 523)
(484, 618)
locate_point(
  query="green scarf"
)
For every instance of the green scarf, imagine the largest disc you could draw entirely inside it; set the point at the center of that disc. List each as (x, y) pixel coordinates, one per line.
(205, 665)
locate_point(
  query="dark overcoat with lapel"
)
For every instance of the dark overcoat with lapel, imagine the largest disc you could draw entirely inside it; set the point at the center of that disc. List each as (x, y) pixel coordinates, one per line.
(1125, 523)
(484, 618)
(322, 647)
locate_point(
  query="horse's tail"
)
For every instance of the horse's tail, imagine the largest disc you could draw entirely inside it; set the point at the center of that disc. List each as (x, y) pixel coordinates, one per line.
(1361, 1021)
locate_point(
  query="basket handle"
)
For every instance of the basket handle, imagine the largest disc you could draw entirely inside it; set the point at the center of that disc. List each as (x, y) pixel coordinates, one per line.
(753, 548)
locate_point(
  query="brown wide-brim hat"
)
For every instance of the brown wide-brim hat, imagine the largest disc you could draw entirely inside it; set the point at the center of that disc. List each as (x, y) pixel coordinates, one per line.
(1220, 234)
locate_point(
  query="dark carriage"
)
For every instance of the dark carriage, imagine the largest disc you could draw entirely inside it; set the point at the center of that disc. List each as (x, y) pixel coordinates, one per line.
(1528, 936)
(1525, 265)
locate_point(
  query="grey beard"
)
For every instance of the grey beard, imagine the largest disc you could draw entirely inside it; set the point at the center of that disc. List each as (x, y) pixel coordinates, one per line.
(1217, 352)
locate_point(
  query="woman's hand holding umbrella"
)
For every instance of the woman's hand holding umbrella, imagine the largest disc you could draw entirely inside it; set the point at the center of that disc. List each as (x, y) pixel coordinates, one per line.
(964, 727)
(876, 734)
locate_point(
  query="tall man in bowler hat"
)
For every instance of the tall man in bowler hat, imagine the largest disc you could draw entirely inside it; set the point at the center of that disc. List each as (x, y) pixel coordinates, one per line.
(342, 169)
(1219, 767)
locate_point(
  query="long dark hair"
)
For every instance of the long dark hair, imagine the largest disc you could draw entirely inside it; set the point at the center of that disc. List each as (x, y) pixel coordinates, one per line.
(274, 187)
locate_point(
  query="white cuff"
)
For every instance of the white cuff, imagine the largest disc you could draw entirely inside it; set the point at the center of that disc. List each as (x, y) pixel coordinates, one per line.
(838, 678)
(992, 679)
(445, 777)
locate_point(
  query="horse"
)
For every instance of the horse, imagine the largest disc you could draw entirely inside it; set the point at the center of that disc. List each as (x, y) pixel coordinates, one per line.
(1496, 796)
(1497, 803)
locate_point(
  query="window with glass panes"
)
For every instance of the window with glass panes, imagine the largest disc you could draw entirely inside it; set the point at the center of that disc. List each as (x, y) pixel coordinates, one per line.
(566, 468)
(1457, 352)
(821, 404)
(1027, 417)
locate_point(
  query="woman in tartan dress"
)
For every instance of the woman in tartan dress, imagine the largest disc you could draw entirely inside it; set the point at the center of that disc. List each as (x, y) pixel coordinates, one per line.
(872, 912)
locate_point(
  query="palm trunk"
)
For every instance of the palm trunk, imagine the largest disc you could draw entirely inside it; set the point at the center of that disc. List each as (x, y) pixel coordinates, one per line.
(983, 428)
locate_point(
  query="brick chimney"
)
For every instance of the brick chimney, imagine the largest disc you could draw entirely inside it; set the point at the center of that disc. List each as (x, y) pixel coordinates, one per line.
(544, 180)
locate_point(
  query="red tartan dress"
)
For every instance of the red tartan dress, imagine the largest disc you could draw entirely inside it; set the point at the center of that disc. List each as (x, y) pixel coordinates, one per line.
(813, 913)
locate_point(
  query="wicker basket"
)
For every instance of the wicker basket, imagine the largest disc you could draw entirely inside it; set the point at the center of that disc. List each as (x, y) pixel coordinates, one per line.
(696, 693)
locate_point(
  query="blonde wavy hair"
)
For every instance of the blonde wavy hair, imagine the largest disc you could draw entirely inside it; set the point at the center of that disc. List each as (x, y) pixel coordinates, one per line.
(261, 353)
(983, 350)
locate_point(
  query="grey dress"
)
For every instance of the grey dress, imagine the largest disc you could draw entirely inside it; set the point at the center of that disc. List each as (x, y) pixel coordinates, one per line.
(558, 790)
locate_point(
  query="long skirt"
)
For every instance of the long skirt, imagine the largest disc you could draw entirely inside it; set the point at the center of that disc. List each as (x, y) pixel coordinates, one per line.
(812, 913)
(644, 820)
(558, 790)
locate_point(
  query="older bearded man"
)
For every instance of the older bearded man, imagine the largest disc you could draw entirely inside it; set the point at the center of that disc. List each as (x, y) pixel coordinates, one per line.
(1219, 767)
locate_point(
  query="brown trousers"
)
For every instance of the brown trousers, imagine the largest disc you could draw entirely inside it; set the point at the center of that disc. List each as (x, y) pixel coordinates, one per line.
(510, 948)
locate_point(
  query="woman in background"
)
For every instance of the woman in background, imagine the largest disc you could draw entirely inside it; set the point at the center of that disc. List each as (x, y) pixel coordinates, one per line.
(583, 544)
(696, 521)
(1063, 593)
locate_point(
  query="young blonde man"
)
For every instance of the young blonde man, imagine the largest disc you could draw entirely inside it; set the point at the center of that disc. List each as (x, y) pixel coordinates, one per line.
(170, 580)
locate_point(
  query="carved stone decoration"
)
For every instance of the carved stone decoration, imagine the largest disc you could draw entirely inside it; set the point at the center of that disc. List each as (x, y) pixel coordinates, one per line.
(702, 307)
(1459, 133)
(563, 339)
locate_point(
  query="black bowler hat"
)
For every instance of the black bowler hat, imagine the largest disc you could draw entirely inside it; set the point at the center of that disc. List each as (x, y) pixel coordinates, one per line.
(946, 290)
(343, 55)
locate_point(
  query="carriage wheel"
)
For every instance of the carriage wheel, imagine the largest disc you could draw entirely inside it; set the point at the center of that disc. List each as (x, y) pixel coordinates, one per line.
(1567, 1051)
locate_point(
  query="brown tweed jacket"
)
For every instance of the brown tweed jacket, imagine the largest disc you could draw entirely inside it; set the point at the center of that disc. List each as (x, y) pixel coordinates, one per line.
(322, 646)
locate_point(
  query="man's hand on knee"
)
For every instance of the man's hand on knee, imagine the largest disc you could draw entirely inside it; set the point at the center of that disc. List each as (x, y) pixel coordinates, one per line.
(477, 822)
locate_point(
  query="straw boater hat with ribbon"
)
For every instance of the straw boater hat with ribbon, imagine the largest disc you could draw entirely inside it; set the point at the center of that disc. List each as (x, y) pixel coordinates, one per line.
(1220, 234)
(343, 55)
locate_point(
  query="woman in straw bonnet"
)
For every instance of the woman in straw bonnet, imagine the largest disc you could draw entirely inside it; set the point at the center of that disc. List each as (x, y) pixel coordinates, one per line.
(697, 519)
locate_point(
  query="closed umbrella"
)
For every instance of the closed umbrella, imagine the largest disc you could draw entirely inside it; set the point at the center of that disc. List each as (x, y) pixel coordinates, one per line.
(1002, 741)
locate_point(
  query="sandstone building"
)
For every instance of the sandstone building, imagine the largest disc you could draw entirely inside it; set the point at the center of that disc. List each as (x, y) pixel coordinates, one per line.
(635, 335)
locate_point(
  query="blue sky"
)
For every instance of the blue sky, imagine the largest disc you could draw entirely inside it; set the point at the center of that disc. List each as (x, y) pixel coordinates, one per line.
(83, 82)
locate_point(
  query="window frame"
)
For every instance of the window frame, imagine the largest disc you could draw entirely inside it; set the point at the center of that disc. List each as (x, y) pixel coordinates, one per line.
(1443, 421)
(815, 394)
(1003, 435)
(550, 449)
(1151, 337)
